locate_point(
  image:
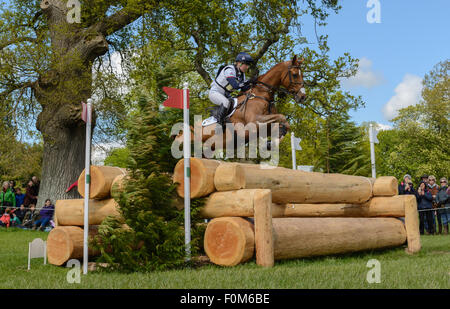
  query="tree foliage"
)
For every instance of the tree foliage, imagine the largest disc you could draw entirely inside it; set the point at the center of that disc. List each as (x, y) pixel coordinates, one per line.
(420, 141)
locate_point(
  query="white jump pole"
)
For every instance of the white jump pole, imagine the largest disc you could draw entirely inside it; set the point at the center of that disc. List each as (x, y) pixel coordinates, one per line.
(372, 151)
(187, 174)
(87, 185)
(294, 158)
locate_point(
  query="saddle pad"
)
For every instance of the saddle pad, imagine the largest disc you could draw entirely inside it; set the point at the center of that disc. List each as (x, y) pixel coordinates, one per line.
(211, 120)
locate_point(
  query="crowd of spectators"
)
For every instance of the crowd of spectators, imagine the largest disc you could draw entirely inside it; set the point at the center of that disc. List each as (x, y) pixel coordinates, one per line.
(433, 203)
(19, 210)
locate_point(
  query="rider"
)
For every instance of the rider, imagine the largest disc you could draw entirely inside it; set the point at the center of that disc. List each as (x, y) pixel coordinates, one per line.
(228, 79)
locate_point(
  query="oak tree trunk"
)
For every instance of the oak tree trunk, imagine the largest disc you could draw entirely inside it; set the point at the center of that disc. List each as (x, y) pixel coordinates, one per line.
(60, 91)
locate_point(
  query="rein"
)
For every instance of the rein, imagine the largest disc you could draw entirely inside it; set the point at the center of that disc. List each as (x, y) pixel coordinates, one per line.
(271, 90)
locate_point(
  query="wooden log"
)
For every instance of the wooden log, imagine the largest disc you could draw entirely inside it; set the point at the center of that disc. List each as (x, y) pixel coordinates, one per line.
(306, 237)
(102, 178)
(202, 176)
(229, 241)
(393, 206)
(117, 186)
(263, 228)
(241, 203)
(71, 212)
(293, 186)
(412, 224)
(66, 242)
(385, 186)
(229, 176)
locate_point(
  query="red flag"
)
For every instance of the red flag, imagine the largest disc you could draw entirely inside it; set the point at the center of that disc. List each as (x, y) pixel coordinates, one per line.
(175, 98)
(84, 112)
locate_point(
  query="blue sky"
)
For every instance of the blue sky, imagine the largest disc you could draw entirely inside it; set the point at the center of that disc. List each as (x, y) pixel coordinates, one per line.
(395, 54)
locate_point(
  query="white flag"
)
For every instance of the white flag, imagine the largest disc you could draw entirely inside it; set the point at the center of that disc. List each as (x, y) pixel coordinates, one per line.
(373, 132)
(296, 142)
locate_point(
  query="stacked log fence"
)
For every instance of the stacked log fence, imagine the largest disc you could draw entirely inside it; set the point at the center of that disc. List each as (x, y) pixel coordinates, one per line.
(278, 213)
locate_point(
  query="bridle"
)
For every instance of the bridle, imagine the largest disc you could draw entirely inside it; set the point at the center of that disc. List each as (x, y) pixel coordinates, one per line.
(292, 82)
(271, 89)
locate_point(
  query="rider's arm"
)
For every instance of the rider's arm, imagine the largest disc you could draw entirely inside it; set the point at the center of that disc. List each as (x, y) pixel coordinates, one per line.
(234, 82)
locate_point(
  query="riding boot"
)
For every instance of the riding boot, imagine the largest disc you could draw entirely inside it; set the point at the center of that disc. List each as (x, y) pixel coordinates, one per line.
(440, 229)
(446, 229)
(221, 114)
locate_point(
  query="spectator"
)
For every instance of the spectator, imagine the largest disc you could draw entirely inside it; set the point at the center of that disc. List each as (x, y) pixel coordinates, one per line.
(7, 197)
(424, 202)
(30, 194)
(443, 200)
(12, 185)
(5, 218)
(15, 221)
(434, 189)
(46, 215)
(20, 197)
(424, 178)
(406, 186)
(36, 184)
(21, 212)
(31, 216)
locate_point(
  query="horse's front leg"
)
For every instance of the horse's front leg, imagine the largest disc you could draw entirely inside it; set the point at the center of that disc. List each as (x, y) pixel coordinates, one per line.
(284, 126)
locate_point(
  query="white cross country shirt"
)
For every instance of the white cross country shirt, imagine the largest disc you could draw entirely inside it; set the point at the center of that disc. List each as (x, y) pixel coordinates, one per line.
(228, 71)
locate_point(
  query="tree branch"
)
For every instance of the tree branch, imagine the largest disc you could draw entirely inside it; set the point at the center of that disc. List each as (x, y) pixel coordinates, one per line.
(17, 40)
(117, 21)
(15, 87)
(272, 39)
(198, 61)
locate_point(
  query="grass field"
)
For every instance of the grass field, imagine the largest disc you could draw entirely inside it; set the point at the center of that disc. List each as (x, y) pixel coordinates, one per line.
(429, 269)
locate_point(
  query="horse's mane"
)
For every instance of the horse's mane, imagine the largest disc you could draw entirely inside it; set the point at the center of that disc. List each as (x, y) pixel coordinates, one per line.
(271, 69)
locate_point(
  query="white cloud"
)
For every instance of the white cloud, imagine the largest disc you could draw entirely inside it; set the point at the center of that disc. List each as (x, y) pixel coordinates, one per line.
(383, 127)
(365, 77)
(101, 150)
(407, 93)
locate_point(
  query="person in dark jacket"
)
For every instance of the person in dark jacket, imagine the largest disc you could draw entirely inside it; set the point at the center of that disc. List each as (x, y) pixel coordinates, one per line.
(31, 216)
(20, 197)
(443, 201)
(46, 214)
(21, 212)
(406, 186)
(424, 204)
(36, 184)
(30, 194)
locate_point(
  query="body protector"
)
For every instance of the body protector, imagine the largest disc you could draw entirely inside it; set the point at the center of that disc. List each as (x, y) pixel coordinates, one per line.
(229, 78)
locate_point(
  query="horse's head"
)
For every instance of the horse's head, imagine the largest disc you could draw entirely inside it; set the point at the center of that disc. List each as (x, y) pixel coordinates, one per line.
(292, 80)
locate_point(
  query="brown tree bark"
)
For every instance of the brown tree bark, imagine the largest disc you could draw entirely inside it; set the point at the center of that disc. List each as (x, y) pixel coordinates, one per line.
(61, 89)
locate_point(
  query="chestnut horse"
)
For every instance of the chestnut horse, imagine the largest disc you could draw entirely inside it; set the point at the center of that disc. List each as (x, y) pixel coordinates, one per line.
(257, 104)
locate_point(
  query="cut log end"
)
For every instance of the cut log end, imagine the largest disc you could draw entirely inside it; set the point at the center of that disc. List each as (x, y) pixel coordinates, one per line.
(60, 245)
(229, 241)
(385, 186)
(229, 176)
(102, 178)
(201, 175)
